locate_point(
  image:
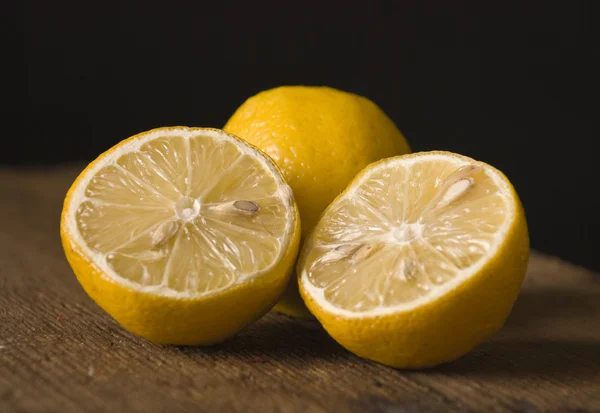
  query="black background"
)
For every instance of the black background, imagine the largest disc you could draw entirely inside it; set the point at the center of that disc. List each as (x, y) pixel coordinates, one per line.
(512, 85)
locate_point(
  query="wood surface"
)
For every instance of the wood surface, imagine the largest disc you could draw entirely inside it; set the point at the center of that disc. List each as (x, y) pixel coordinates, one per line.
(60, 353)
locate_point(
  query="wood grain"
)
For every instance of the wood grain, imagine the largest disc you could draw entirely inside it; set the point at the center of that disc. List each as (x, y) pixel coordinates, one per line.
(60, 353)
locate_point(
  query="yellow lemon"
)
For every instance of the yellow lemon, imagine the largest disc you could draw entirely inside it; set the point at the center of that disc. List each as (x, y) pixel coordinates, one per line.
(320, 138)
(183, 235)
(419, 260)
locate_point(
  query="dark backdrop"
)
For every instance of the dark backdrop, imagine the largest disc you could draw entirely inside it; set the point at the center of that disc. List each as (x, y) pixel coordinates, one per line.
(512, 86)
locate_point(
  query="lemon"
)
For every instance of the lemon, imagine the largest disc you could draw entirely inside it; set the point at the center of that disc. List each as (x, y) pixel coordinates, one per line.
(419, 260)
(182, 235)
(320, 138)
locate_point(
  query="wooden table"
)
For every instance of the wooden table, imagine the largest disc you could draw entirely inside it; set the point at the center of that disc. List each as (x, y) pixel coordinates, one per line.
(60, 353)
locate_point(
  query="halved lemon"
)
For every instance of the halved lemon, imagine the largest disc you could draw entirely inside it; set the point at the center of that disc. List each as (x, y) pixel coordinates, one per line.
(419, 260)
(183, 235)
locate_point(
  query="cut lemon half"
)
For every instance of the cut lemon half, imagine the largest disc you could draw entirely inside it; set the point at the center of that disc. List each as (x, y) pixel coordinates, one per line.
(183, 235)
(418, 261)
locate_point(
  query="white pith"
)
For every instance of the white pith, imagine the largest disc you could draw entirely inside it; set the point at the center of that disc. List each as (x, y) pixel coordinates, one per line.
(404, 232)
(182, 211)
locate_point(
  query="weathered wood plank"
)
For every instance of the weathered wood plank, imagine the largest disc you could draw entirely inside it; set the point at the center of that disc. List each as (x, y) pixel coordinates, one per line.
(60, 353)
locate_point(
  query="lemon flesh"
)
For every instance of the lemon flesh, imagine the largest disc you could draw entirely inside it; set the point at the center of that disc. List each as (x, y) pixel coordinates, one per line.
(321, 138)
(173, 219)
(420, 259)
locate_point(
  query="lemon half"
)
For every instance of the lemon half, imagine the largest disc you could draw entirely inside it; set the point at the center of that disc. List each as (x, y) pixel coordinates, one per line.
(183, 235)
(420, 259)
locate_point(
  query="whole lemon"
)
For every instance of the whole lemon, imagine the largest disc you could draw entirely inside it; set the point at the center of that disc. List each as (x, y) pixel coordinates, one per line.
(320, 138)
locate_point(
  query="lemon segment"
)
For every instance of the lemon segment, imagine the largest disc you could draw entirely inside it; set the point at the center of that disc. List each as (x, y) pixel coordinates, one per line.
(420, 259)
(169, 226)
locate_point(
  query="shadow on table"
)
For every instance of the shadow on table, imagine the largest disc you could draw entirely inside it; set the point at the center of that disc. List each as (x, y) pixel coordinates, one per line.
(546, 305)
(277, 337)
(537, 340)
(551, 332)
(524, 359)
